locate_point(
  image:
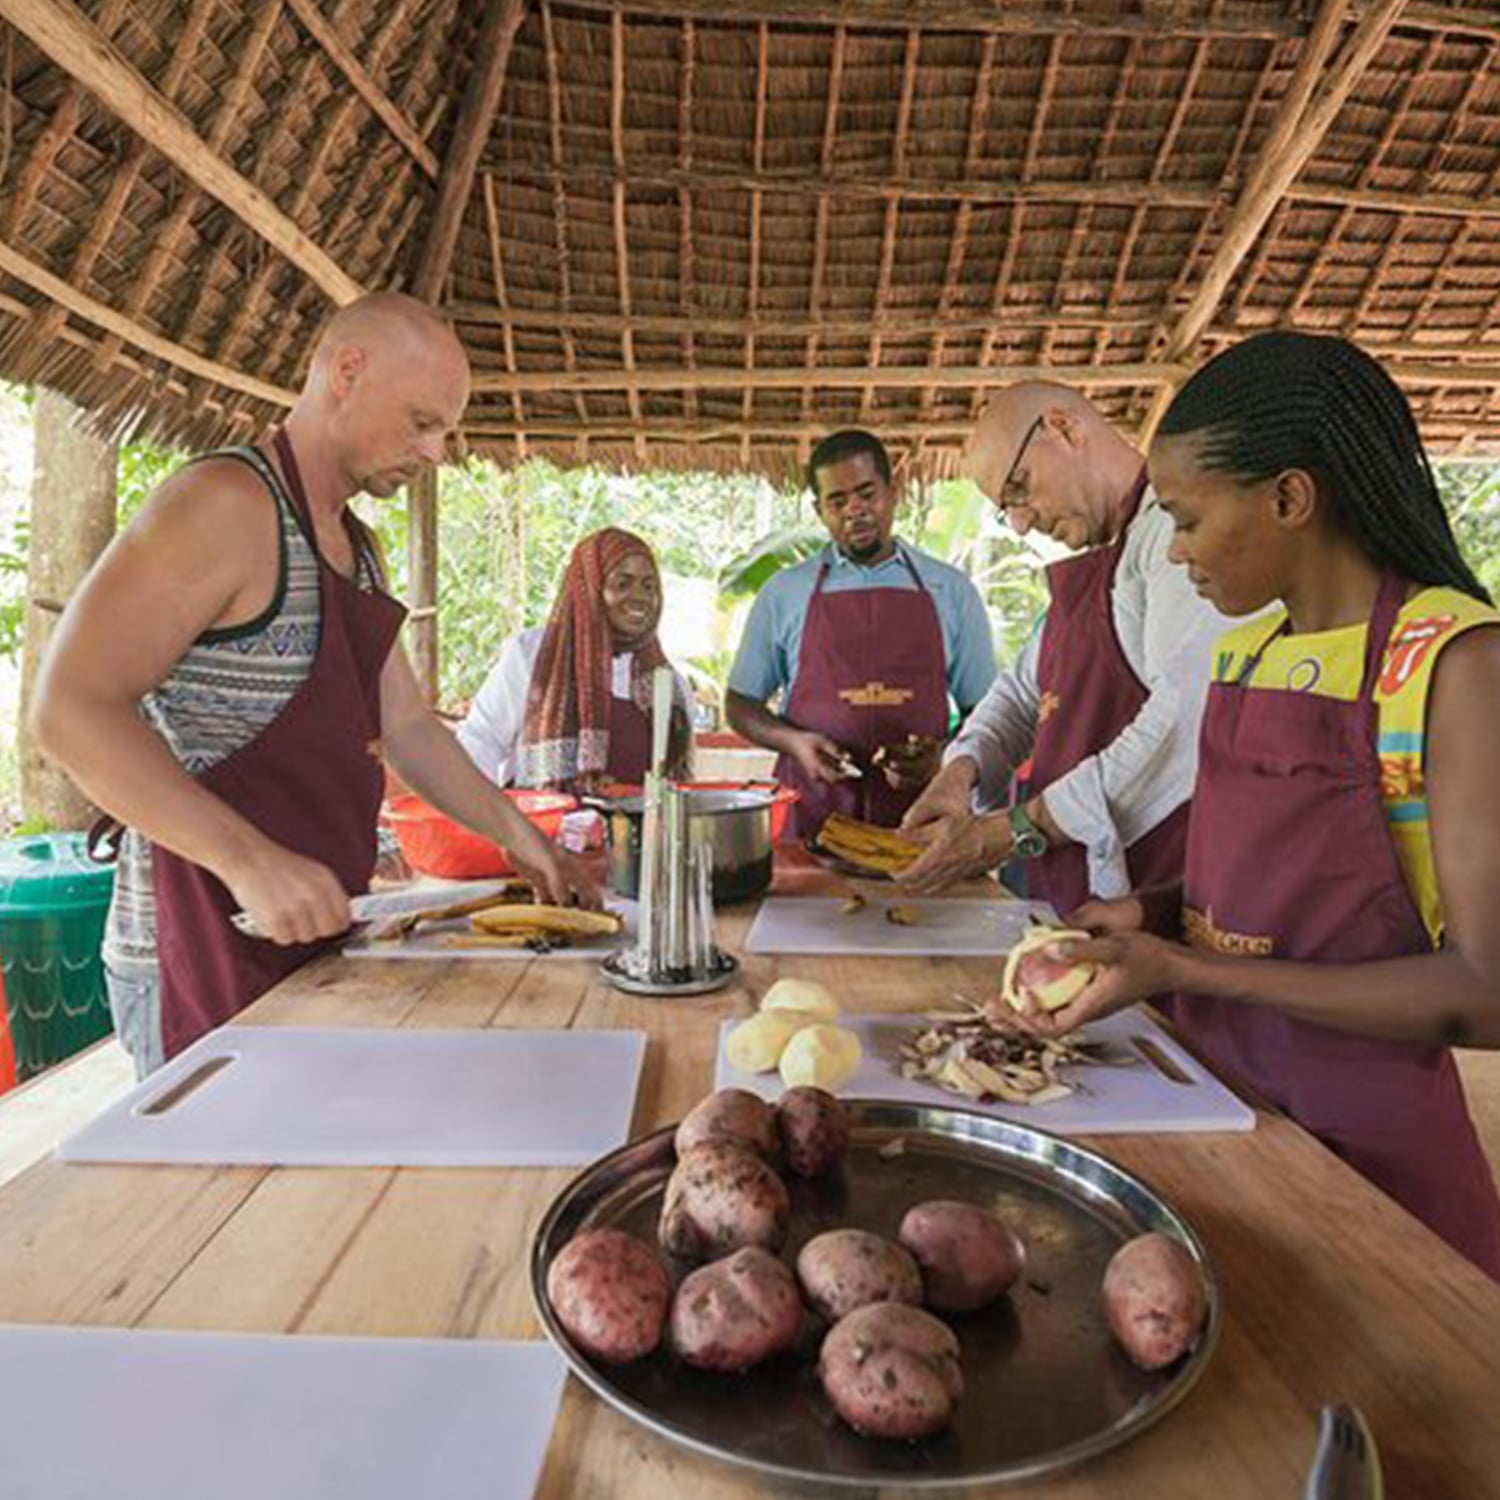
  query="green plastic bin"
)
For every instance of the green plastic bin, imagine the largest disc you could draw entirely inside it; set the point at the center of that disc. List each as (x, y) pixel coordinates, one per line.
(53, 901)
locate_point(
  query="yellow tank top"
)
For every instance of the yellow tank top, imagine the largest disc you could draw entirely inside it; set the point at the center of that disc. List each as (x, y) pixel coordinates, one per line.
(1331, 663)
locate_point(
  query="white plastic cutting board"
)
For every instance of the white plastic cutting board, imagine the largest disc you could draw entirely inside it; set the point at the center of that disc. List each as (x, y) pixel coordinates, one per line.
(951, 928)
(293, 1096)
(133, 1414)
(428, 943)
(1108, 1100)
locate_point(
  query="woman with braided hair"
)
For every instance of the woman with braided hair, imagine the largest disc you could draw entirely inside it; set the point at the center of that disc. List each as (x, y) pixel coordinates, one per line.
(1335, 932)
(567, 706)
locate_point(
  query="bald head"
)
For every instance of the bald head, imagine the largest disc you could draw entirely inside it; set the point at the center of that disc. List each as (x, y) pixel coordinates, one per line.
(1046, 457)
(385, 390)
(386, 325)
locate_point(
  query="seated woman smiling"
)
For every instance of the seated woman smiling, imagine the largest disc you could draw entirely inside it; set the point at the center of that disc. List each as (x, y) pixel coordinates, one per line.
(567, 705)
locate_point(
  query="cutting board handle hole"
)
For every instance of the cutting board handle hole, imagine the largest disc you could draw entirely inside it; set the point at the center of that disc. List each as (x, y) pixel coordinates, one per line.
(189, 1085)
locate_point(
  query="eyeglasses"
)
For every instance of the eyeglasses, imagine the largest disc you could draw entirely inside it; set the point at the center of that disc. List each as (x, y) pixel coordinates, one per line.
(1015, 493)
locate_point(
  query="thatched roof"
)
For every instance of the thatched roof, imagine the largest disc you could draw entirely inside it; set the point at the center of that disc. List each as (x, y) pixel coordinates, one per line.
(697, 233)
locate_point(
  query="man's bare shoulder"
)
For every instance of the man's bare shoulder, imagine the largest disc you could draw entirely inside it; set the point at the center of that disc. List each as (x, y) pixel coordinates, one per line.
(222, 500)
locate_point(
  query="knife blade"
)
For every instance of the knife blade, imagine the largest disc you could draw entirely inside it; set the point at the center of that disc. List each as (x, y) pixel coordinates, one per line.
(374, 906)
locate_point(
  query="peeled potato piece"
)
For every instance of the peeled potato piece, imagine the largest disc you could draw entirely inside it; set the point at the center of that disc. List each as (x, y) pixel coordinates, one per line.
(804, 996)
(756, 1045)
(1031, 975)
(824, 1056)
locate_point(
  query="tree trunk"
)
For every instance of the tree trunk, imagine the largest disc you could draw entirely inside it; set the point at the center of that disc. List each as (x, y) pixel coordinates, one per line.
(73, 502)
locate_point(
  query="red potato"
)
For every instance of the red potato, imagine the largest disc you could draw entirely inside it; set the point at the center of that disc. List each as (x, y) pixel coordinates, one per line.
(729, 1114)
(720, 1198)
(611, 1293)
(814, 1129)
(892, 1371)
(1155, 1300)
(967, 1256)
(847, 1268)
(736, 1312)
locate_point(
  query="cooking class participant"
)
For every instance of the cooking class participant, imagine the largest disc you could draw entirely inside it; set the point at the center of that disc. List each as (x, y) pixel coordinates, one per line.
(872, 645)
(568, 705)
(1335, 931)
(227, 680)
(1100, 710)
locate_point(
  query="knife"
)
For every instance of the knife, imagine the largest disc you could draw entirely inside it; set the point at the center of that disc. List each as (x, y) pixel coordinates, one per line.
(374, 906)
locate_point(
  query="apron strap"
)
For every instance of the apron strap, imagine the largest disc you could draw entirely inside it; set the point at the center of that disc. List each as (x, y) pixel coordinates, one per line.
(1383, 619)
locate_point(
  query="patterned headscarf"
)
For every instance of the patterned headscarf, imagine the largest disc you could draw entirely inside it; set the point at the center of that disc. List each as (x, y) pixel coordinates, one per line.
(565, 738)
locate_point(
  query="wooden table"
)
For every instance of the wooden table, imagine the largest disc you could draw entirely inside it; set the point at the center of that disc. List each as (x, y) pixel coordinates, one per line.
(1332, 1292)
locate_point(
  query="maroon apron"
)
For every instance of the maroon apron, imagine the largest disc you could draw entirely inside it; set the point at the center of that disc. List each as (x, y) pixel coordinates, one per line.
(311, 781)
(1290, 855)
(629, 742)
(1089, 693)
(872, 668)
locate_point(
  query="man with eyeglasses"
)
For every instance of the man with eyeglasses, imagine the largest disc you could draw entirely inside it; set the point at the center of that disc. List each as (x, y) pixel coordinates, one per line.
(1080, 760)
(872, 645)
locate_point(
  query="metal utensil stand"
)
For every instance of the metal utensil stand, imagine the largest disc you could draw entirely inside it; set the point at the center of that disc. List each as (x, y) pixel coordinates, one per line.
(675, 951)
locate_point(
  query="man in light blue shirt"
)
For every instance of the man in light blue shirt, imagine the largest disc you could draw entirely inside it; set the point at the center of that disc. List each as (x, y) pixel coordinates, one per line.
(873, 646)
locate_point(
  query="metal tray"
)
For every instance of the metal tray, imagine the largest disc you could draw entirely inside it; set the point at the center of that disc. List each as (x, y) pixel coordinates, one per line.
(1045, 1385)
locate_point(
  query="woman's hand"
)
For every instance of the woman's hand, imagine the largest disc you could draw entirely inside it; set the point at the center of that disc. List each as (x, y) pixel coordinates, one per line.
(1133, 966)
(1128, 914)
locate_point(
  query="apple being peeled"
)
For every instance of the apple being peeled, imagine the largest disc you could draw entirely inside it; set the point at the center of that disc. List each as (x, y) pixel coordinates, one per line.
(1035, 980)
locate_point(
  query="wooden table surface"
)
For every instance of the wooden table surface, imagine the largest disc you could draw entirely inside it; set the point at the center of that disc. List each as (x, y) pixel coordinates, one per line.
(1331, 1291)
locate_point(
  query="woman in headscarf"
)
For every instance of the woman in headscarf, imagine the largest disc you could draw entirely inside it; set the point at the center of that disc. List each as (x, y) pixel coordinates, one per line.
(567, 706)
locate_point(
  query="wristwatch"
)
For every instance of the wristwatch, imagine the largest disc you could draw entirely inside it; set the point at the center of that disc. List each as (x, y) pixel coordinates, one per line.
(1027, 840)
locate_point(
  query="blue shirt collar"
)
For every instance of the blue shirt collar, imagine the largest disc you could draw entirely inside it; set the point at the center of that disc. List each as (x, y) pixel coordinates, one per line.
(836, 560)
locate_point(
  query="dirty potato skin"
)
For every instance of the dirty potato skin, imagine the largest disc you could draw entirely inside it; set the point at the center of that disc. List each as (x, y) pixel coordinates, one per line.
(729, 1114)
(720, 1198)
(814, 1129)
(611, 1293)
(892, 1371)
(847, 1268)
(736, 1312)
(968, 1257)
(1155, 1300)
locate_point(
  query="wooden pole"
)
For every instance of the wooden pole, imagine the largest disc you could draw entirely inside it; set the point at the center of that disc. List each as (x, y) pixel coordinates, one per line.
(73, 504)
(471, 132)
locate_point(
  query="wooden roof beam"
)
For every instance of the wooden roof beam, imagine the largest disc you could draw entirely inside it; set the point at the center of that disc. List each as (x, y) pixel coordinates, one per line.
(326, 34)
(977, 190)
(1175, 21)
(674, 325)
(622, 238)
(1307, 111)
(14, 263)
(62, 31)
(889, 377)
(752, 272)
(471, 133)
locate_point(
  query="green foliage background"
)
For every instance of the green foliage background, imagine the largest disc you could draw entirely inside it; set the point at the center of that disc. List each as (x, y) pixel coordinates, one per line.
(504, 537)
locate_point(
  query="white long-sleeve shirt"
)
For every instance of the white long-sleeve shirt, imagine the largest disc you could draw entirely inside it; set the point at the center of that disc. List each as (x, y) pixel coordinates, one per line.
(491, 731)
(1118, 795)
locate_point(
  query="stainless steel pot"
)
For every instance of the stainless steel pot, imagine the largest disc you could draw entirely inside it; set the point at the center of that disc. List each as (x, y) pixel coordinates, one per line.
(737, 825)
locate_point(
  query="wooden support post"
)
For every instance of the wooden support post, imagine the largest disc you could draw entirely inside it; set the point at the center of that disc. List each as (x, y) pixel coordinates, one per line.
(72, 520)
(421, 569)
(471, 131)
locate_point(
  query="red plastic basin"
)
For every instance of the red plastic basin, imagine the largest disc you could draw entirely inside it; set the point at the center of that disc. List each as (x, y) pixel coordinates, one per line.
(435, 845)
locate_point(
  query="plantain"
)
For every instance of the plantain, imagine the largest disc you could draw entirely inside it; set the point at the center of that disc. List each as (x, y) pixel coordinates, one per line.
(865, 845)
(555, 924)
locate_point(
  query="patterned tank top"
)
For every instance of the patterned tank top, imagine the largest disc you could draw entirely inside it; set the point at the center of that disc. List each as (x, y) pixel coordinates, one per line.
(225, 689)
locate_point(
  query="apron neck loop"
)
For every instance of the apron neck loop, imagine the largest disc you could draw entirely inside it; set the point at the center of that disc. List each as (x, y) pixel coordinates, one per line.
(281, 441)
(1388, 602)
